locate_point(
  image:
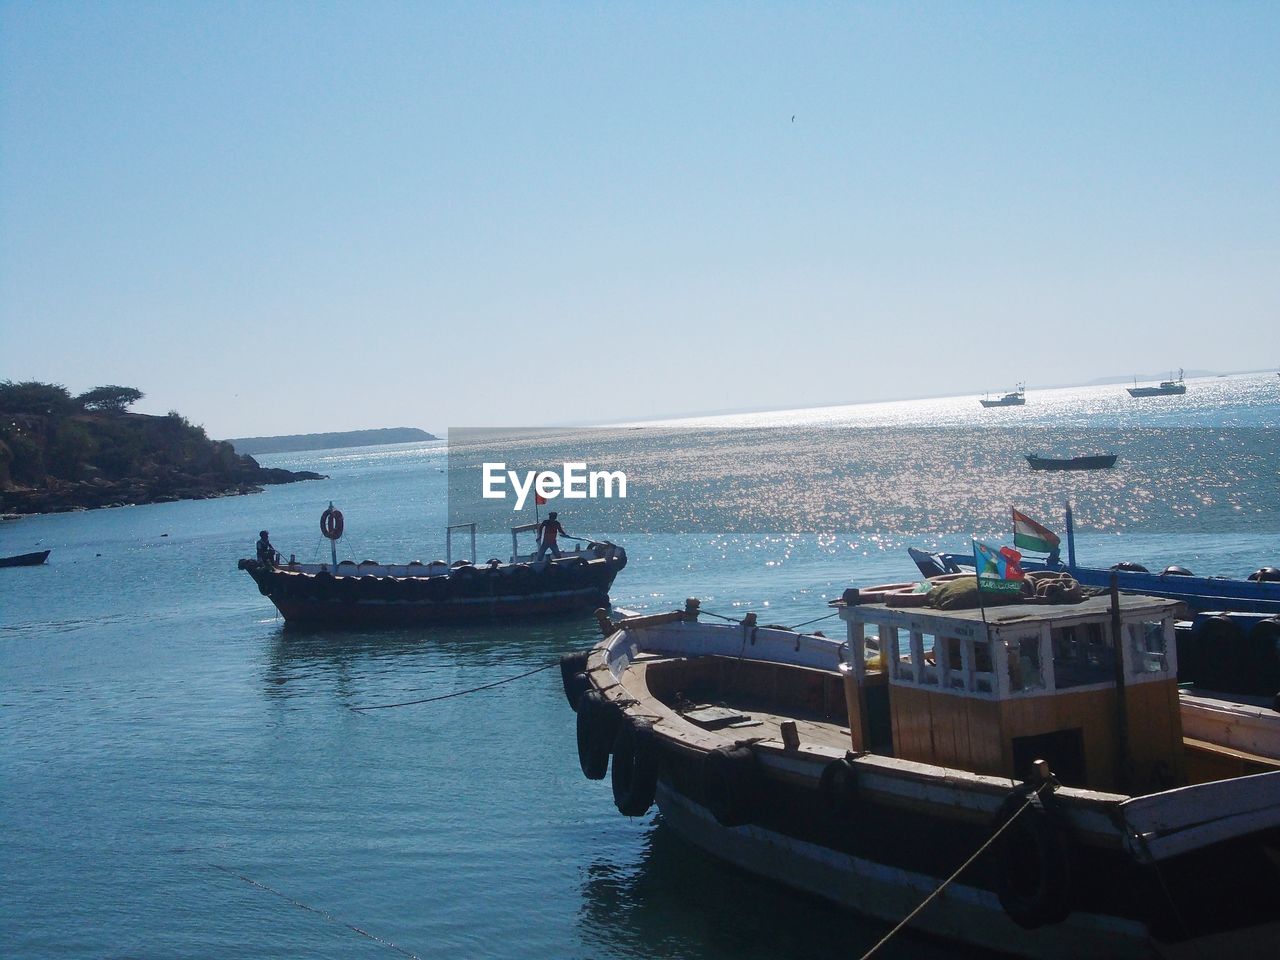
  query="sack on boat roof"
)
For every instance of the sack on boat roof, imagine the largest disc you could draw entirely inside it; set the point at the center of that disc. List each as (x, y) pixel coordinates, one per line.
(1039, 587)
(962, 594)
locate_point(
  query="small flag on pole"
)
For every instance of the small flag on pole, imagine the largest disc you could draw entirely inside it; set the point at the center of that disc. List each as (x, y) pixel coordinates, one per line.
(1029, 535)
(998, 570)
(539, 499)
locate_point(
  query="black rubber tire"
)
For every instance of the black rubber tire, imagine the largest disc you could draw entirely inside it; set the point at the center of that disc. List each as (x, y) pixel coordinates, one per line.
(573, 677)
(635, 767)
(1129, 566)
(732, 786)
(597, 726)
(1034, 855)
(839, 788)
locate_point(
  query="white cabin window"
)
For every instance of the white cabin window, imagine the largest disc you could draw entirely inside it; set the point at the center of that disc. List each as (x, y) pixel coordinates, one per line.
(984, 671)
(1026, 671)
(952, 668)
(1081, 656)
(898, 654)
(1149, 647)
(924, 652)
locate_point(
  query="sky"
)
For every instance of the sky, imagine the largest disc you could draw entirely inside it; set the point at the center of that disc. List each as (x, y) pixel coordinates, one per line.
(296, 217)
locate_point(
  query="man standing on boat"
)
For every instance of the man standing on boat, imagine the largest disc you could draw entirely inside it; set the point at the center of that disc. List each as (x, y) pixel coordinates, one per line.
(267, 554)
(548, 529)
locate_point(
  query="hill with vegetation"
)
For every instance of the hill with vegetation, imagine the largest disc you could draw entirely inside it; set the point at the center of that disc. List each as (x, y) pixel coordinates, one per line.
(60, 452)
(328, 441)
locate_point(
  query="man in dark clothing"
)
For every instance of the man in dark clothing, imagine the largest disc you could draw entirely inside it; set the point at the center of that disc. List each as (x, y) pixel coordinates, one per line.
(548, 529)
(266, 552)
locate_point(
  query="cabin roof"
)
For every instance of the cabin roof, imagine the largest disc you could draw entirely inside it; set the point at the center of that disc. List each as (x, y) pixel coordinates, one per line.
(1094, 607)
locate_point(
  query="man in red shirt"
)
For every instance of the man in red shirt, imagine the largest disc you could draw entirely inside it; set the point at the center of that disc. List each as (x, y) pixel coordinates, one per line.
(547, 532)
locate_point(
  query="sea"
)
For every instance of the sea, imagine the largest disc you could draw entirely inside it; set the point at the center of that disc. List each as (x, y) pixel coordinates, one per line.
(183, 776)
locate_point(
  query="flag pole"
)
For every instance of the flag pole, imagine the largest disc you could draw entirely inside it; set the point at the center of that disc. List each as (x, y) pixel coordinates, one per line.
(977, 575)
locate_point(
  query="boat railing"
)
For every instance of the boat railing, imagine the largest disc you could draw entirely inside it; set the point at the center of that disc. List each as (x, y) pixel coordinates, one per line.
(448, 541)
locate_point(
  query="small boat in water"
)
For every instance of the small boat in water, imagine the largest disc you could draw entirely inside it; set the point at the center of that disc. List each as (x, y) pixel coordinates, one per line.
(1016, 398)
(370, 593)
(1167, 388)
(1045, 741)
(25, 559)
(1099, 461)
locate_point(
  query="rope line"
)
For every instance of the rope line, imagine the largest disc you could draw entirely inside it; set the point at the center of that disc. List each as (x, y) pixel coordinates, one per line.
(457, 693)
(818, 620)
(1031, 798)
(328, 916)
(720, 616)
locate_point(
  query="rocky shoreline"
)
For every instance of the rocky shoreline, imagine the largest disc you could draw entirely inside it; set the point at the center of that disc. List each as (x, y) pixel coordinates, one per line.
(60, 453)
(168, 487)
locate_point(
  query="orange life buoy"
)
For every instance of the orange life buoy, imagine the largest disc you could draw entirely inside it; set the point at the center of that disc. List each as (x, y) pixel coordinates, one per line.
(331, 523)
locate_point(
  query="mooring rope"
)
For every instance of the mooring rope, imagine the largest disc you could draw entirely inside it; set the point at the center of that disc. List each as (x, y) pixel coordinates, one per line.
(323, 913)
(719, 616)
(457, 693)
(1031, 798)
(818, 620)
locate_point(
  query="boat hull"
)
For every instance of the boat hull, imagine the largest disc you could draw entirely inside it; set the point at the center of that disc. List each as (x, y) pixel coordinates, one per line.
(1099, 462)
(499, 591)
(872, 888)
(25, 559)
(1173, 391)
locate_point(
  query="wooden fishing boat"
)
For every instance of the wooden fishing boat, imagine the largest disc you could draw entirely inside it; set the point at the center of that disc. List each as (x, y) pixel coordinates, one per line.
(1100, 461)
(25, 559)
(1167, 388)
(1015, 398)
(866, 771)
(370, 593)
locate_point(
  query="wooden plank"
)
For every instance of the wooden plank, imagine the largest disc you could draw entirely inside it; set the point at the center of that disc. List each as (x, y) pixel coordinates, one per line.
(1176, 809)
(1162, 847)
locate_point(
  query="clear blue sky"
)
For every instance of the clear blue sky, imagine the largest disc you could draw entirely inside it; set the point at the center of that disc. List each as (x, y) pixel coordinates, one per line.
(290, 217)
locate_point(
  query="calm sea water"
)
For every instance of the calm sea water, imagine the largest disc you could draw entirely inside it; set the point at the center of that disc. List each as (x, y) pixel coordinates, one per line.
(180, 776)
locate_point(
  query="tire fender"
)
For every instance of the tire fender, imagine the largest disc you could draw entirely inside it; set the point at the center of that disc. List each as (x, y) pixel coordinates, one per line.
(635, 767)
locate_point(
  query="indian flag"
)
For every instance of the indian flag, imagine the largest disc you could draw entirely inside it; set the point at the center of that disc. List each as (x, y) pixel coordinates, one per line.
(1029, 535)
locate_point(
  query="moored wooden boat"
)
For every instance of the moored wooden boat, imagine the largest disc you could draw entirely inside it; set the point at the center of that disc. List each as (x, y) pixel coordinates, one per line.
(377, 594)
(25, 559)
(1100, 461)
(866, 771)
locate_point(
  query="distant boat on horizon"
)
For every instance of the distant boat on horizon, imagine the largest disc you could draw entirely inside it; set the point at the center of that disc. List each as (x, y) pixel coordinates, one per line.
(1100, 461)
(1015, 398)
(1167, 388)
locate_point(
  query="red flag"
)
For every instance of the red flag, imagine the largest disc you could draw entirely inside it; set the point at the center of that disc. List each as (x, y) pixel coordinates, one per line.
(1012, 558)
(539, 499)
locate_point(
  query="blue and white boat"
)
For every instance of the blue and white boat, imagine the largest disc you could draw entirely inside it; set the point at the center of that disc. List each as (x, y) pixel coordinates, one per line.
(1258, 593)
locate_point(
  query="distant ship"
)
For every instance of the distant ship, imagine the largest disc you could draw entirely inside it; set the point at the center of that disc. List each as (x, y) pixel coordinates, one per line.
(1167, 388)
(1100, 461)
(1015, 399)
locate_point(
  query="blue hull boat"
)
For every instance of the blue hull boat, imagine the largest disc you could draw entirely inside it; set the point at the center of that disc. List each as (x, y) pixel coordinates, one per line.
(1258, 594)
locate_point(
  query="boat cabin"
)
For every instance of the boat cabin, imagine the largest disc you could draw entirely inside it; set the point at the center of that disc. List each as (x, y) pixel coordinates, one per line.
(994, 693)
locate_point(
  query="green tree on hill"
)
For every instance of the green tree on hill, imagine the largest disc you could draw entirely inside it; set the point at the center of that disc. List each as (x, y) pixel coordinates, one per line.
(35, 398)
(110, 398)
